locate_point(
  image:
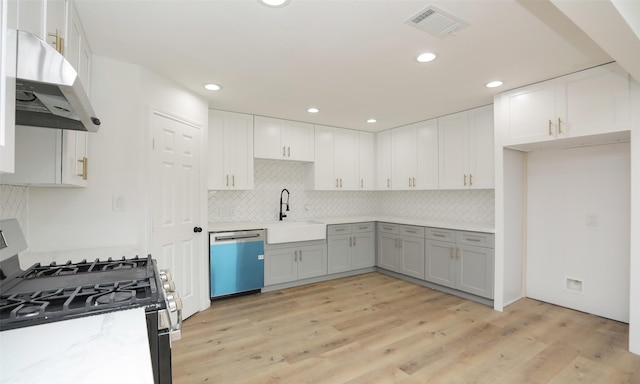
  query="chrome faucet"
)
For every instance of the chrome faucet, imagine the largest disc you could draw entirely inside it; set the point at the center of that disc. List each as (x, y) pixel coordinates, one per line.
(282, 215)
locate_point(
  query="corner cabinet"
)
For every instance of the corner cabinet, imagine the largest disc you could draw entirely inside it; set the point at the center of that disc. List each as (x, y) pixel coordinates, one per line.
(383, 160)
(589, 102)
(401, 249)
(279, 139)
(284, 263)
(350, 247)
(466, 149)
(230, 148)
(414, 161)
(49, 157)
(460, 260)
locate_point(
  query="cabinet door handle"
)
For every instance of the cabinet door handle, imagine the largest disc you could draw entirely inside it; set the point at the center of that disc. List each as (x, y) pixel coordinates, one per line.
(300, 255)
(395, 243)
(470, 180)
(58, 41)
(289, 151)
(341, 183)
(399, 243)
(388, 183)
(465, 180)
(233, 180)
(457, 253)
(451, 252)
(84, 162)
(471, 239)
(227, 184)
(414, 182)
(559, 126)
(409, 182)
(438, 234)
(550, 125)
(361, 183)
(284, 153)
(337, 183)
(354, 241)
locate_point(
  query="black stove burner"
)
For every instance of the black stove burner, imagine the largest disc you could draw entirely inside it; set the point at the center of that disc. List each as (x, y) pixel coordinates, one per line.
(69, 268)
(29, 310)
(55, 292)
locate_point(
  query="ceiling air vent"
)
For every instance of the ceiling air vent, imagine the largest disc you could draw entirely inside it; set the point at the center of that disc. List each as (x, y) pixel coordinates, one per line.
(436, 22)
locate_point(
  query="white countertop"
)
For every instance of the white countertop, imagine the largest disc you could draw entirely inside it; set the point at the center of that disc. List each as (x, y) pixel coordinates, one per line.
(462, 226)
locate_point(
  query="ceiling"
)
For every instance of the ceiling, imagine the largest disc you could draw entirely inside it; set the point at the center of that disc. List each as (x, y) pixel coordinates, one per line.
(354, 60)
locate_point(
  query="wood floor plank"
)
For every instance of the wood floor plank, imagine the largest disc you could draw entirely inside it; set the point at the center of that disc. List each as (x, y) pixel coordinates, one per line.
(374, 328)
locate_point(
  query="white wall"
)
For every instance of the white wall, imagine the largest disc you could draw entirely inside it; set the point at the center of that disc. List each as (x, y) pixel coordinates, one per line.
(565, 189)
(634, 264)
(79, 218)
(75, 223)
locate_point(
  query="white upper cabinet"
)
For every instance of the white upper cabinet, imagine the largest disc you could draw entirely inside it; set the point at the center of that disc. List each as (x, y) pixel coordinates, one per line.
(8, 20)
(283, 139)
(230, 150)
(414, 156)
(383, 160)
(46, 19)
(50, 157)
(466, 149)
(336, 163)
(366, 161)
(78, 50)
(584, 103)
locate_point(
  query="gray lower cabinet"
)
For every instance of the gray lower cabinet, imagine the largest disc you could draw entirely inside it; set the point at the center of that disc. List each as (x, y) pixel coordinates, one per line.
(288, 262)
(460, 260)
(350, 247)
(401, 249)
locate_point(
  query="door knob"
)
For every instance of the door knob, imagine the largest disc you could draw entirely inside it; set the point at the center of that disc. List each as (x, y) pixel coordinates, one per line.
(197, 229)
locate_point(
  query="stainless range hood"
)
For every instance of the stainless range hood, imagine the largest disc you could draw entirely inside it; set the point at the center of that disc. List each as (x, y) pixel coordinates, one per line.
(48, 89)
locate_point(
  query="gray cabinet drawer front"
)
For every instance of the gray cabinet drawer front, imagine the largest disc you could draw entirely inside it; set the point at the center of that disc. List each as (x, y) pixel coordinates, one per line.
(476, 238)
(388, 228)
(338, 229)
(410, 230)
(441, 234)
(362, 227)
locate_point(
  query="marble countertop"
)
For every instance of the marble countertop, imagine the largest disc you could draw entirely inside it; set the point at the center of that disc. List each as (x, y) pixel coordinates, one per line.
(423, 222)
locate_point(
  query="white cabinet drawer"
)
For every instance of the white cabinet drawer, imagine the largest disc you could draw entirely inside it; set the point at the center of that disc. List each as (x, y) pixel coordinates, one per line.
(476, 238)
(441, 234)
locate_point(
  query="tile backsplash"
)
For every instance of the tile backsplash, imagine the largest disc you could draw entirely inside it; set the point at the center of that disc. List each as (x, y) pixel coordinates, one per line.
(13, 204)
(271, 176)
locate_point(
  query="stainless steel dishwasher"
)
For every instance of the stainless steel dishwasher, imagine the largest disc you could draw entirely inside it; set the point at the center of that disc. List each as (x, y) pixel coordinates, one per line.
(236, 262)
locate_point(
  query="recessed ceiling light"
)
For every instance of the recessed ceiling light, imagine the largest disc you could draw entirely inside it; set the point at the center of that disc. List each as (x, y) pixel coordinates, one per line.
(371, 121)
(313, 110)
(212, 87)
(494, 84)
(274, 3)
(426, 57)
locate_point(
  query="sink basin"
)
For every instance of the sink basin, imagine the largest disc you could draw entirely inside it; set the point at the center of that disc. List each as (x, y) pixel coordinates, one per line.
(292, 231)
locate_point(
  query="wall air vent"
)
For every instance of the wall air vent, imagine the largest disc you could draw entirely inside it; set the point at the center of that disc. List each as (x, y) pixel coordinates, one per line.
(436, 22)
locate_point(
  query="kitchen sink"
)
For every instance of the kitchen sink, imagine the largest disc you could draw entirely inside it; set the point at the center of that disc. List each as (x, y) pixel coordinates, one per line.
(292, 231)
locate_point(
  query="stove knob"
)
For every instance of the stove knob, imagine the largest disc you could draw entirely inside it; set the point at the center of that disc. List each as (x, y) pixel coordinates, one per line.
(174, 302)
(169, 285)
(165, 275)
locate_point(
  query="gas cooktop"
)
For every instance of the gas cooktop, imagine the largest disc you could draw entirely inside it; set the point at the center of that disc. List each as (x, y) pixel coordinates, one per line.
(45, 293)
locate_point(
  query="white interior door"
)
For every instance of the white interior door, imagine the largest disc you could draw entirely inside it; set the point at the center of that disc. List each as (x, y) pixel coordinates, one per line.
(175, 201)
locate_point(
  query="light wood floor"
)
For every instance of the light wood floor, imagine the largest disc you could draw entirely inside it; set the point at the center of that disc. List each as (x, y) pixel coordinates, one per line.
(376, 329)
